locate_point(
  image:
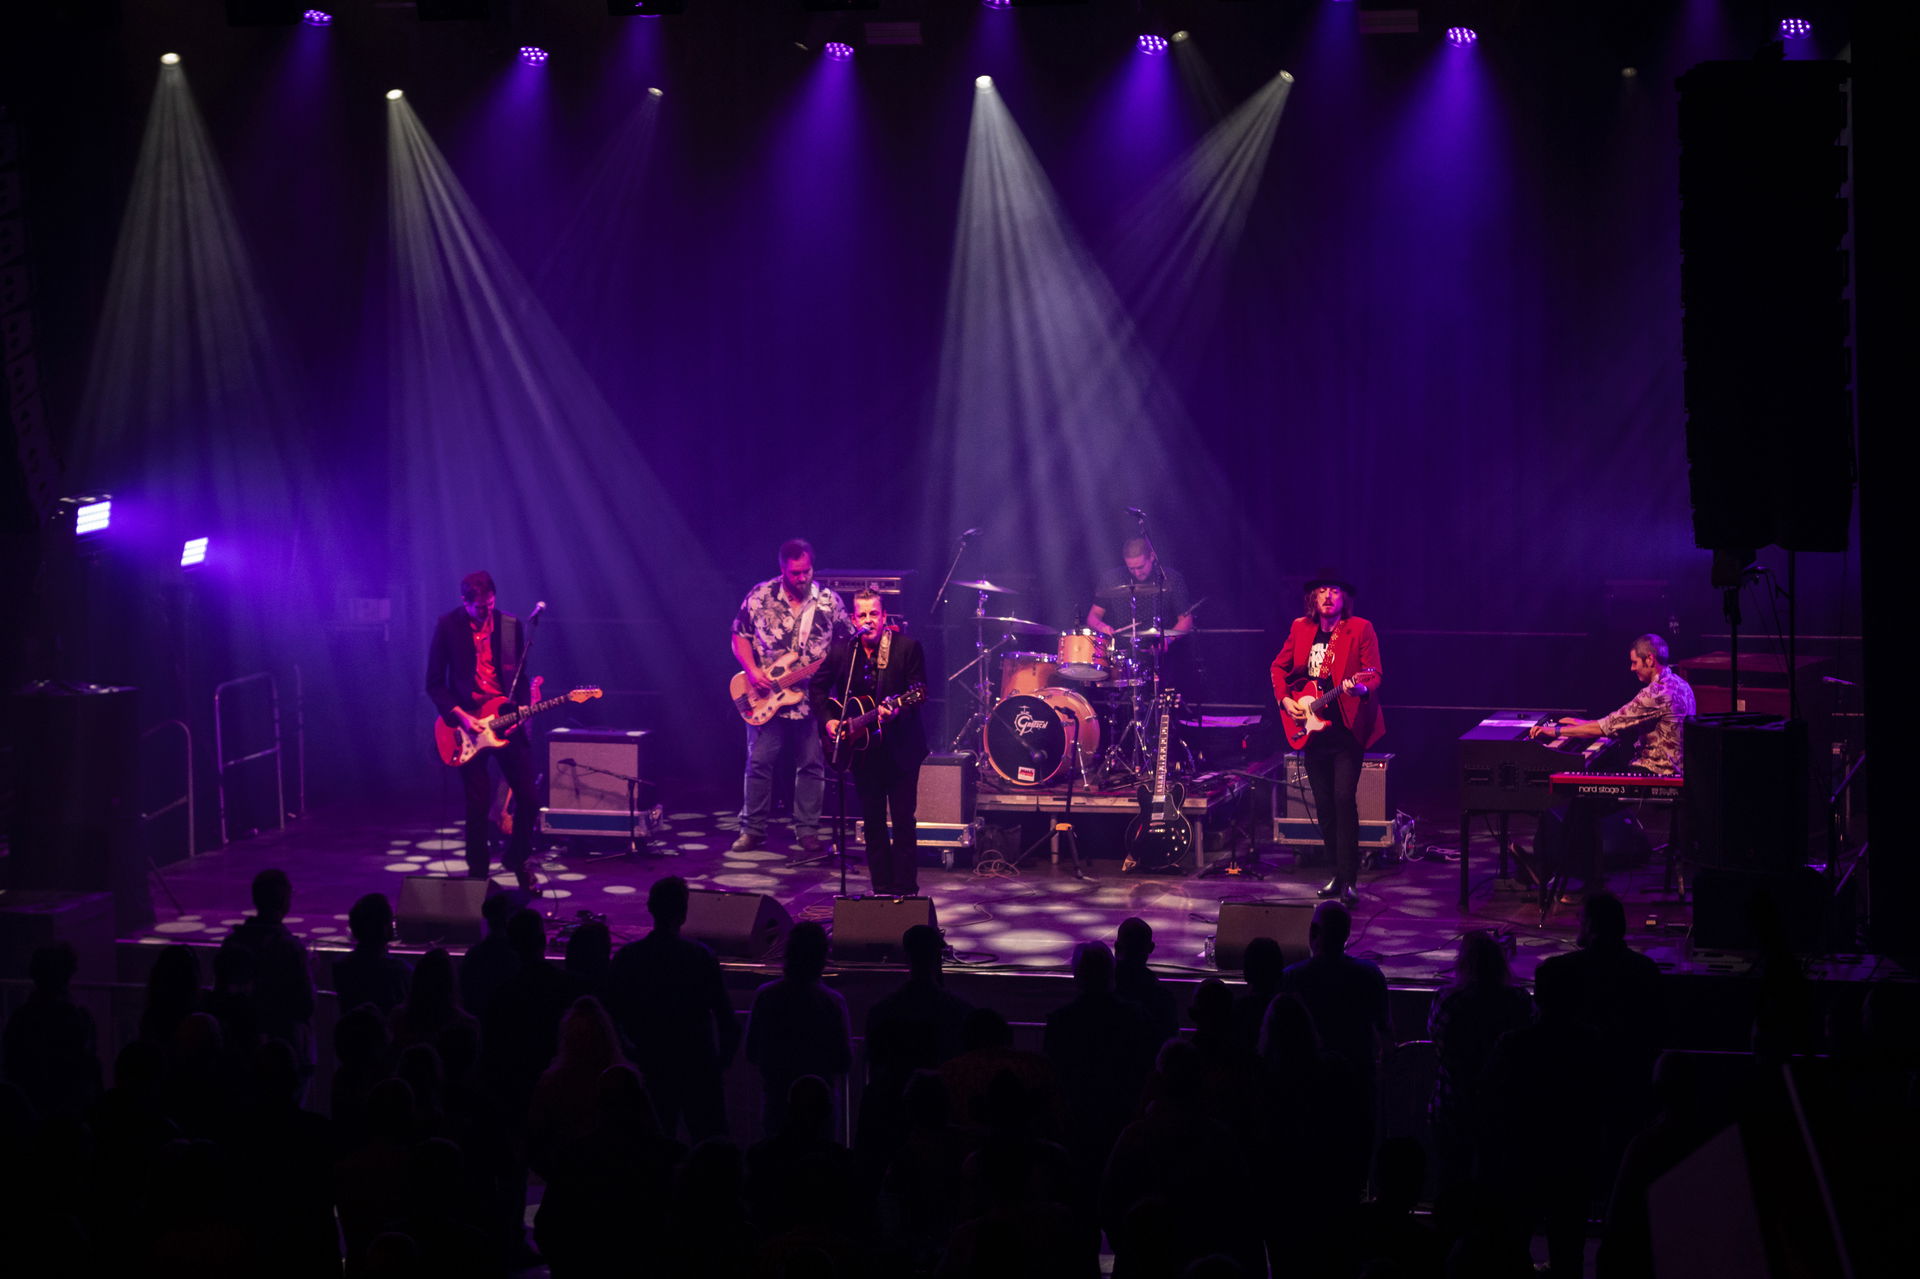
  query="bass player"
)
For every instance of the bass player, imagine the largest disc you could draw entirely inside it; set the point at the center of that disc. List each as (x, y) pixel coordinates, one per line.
(878, 664)
(787, 615)
(1330, 651)
(473, 668)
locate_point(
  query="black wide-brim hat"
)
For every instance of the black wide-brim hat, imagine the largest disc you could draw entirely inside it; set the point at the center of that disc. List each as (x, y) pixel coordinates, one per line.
(1328, 579)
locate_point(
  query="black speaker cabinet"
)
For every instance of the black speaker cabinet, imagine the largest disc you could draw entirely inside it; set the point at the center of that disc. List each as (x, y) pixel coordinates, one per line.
(1746, 791)
(439, 909)
(1241, 922)
(1730, 904)
(870, 928)
(741, 925)
(587, 768)
(77, 806)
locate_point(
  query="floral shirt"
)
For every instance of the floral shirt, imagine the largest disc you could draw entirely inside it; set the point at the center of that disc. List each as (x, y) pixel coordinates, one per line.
(1657, 716)
(771, 623)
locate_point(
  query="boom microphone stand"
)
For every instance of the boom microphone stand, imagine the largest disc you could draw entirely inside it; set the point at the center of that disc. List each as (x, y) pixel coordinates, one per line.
(841, 768)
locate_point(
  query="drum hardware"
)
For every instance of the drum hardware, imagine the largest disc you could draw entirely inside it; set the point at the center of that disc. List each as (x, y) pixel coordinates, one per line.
(1059, 832)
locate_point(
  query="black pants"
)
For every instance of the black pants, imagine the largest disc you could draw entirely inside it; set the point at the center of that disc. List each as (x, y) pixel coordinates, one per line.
(1333, 759)
(516, 765)
(889, 789)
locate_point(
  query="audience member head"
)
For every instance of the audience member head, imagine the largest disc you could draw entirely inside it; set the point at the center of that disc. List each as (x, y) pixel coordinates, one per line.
(1212, 1009)
(272, 895)
(1133, 943)
(588, 1040)
(1263, 964)
(527, 936)
(496, 910)
(622, 1100)
(1481, 961)
(1603, 921)
(590, 952)
(173, 984)
(371, 921)
(810, 1108)
(51, 968)
(421, 1067)
(459, 1045)
(1093, 968)
(923, 948)
(432, 995)
(360, 1037)
(1331, 926)
(1288, 1038)
(276, 1075)
(806, 957)
(667, 903)
(984, 1028)
(1181, 1068)
(1558, 991)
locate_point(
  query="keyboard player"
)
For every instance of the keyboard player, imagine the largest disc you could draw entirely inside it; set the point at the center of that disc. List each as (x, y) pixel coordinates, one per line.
(1654, 721)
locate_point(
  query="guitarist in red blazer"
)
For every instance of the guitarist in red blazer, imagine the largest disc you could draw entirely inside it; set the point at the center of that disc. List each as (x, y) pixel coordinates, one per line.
(472, 659)
(1327, 679)
(886, 771)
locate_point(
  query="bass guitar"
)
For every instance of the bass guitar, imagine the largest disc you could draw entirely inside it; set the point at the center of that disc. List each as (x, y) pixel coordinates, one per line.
(860, 718)
(1318, 711)
(1160, 838)
(455, 745)
(789, 679)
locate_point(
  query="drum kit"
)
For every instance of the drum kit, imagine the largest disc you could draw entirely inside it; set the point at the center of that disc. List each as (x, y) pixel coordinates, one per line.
(1045, 719)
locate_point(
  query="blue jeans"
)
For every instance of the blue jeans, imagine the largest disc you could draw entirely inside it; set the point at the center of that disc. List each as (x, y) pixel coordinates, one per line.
(764, 745)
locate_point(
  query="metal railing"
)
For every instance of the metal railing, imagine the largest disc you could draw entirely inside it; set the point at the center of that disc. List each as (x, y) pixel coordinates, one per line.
(224, 765)
(184, 800)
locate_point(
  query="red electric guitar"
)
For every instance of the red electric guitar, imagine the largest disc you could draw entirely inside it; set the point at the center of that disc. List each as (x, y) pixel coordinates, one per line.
(455, 745)
(1319, 712)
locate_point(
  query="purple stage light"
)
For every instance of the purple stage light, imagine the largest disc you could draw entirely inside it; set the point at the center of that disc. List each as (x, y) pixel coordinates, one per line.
(193, 551)
(995, 4)
(1795, 28)
(1461, 37)
(837, 51)
(92, 515)
(533, 55)
(317, 18)
(1152, 45)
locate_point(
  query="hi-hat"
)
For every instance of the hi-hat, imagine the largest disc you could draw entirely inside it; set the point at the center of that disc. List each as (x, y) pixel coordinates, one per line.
(991, 588)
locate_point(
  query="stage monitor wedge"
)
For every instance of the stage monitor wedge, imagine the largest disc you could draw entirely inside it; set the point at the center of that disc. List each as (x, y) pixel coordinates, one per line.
(735, 925)
(869, 929)
(1241, 922)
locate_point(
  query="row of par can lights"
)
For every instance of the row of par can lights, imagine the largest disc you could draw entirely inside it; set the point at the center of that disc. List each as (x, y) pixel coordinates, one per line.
(93, 515)
(1150, 44)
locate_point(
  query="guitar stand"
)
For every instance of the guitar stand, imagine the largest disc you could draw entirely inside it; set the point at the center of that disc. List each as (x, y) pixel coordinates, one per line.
(1231, 865)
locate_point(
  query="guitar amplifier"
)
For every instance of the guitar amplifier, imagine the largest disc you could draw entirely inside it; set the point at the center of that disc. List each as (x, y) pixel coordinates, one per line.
(588, 768)
(1294, 822)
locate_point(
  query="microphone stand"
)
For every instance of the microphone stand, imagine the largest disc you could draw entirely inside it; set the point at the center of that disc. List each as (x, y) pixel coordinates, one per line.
(1061, 831)
(634, 845)
(940, 596)
(840, 768)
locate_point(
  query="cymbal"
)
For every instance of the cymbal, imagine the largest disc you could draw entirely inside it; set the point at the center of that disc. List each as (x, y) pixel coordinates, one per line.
(1124, 590)
(991, 588)
(1019, 625)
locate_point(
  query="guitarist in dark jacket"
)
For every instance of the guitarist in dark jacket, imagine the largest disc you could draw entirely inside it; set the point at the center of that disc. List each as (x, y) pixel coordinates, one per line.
(884, 761)
(1329, 650)
(472, 660)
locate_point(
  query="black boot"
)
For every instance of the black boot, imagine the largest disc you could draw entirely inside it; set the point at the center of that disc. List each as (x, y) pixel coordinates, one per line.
(1335, 887)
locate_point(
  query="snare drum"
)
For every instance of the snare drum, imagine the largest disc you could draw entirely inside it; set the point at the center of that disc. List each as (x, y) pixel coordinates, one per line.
(1027, 673)
(1030, 739)
(1083, 655)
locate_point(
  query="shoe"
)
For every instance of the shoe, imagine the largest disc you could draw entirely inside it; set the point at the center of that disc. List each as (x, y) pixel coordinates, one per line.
(523, 875)
(1350, 895)
(1334, 887)
(746, 842)
(811, 843)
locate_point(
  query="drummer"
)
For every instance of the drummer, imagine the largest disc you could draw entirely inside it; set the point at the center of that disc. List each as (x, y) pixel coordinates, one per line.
(1157, 593)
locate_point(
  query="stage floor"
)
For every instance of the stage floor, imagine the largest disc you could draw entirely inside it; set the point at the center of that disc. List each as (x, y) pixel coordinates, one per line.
(1022, 921)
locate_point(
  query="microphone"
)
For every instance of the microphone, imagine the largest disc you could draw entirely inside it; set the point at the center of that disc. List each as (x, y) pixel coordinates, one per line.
(1835, 679)
(538, 609)
(1136, 512)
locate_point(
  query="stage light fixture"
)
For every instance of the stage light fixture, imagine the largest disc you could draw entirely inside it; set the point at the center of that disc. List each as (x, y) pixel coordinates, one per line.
(983, 83)
(1795, 28)
(317, 18)
(533, 55)
(1461, 37)
(394, 95)
(654, 93)
(838, 51)
(993, 4)
(645, 8)
(169, 59)
(1179, 37)
(1151, 45)
(91, 515)
(193, 552)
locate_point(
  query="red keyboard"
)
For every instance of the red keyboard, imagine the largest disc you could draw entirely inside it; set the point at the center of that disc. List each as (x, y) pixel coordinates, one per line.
(1616, 786)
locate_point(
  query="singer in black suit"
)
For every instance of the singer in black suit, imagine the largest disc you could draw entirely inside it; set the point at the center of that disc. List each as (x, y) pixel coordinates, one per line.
(473, 660)
(886, 772)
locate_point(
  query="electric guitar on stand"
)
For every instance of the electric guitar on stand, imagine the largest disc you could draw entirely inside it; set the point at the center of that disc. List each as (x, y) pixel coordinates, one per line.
(1160, 838)
(789, 686)
(455, 745)
(1318, 712)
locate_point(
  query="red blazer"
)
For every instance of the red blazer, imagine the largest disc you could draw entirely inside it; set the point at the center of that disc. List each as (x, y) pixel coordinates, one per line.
(1355, 649)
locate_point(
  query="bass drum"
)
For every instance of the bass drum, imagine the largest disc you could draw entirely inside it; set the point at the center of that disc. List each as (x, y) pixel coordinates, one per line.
(1030, 740)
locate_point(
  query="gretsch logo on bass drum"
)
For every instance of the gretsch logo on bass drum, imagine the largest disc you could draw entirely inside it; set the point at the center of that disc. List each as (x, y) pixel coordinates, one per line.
(1025, 724)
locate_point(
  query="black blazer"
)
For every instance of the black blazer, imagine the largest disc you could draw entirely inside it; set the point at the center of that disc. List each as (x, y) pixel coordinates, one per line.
(904, 738)
(450, 660)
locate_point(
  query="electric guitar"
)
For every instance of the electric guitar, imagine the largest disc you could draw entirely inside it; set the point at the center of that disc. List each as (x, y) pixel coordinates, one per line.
(1318, 714)
(860, 718)
(1160, 838)
(789, 686)
(455, 745)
